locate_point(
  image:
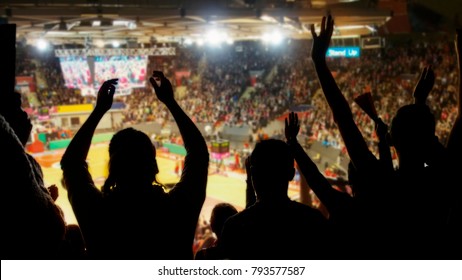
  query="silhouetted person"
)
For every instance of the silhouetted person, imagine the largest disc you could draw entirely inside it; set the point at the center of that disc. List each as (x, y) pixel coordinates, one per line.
(455, 147)
(403, 203)
(275, 227)
(344, 210)
(32, 227)
(220, 214)
(133, 217)
(74, 246)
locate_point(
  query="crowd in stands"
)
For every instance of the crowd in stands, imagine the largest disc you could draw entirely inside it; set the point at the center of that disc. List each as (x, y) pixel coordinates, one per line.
(413, 211)
(215, 90)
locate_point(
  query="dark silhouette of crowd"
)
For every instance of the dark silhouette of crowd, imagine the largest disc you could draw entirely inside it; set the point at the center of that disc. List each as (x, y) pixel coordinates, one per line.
(412, 211)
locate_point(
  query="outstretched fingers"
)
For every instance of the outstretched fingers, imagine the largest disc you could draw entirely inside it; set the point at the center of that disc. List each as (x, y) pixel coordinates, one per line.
(313, 31)
(291, 126)
(330, 26)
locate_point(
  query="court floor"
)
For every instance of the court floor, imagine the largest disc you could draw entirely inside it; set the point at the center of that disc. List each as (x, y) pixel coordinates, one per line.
(224, 187)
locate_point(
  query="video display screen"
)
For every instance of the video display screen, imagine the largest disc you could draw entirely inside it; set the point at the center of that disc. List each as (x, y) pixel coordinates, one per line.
(76, 72)
(130, 70)
(343, 52)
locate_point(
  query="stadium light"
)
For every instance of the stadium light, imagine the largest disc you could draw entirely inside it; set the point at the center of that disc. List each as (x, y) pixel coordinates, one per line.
(266, 38)
(42, 44)
(275, 38)
(188, 41)
(126, 23)
(131, 25)
(350, 27)
(268, 19)
(200, 42)
(99, 43)
(115, 44)
(215, 37)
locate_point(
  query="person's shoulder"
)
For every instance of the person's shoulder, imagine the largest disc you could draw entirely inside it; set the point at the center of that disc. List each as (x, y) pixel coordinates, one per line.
(305, 210)
(243, 217)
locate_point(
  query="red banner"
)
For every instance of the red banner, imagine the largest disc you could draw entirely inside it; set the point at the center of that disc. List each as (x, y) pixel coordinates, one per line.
(25, 84)
(180, 75)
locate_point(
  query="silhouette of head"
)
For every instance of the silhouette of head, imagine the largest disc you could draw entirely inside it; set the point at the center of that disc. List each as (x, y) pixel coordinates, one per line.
(413, 131)
(272, 167)
(220, 213)
(132, 158)
(10, 109)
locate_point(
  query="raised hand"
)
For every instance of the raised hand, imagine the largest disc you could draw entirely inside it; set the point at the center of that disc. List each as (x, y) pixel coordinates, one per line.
(164, 90)
(424, 86)
(292, 127)
(321, 41)
(381, 129)
(106, 95)
(54, 192)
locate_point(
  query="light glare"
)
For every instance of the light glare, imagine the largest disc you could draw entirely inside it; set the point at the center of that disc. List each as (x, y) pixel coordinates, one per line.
(42, 44)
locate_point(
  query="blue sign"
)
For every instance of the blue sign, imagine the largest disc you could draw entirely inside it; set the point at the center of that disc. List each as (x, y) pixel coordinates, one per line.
(343, 52)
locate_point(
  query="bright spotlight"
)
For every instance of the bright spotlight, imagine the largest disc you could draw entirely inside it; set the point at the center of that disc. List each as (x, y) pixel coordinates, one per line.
(266, 38)
(200, 42)
(42, 44)
(216, 38)
(274, 38)
(277, 38)
(188, 41)
(229, 41)
(99, 43)
(115, 44)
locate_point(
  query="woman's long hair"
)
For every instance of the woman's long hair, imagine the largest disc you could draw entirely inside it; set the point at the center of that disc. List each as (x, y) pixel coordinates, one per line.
(132, 157)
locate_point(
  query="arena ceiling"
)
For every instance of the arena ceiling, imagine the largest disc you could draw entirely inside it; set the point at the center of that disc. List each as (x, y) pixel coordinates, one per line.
(144, 21)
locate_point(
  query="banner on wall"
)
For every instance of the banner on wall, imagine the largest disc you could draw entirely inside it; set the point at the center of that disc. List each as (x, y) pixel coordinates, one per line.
(343, 52)
(180, 75)
(25, 84)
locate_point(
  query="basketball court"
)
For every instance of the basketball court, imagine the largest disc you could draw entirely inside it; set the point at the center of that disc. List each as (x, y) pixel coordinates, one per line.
(226, 186)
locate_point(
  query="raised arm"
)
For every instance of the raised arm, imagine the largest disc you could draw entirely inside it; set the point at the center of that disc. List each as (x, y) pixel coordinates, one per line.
(455, 138)
(424, 86)
(197, 158)
(330, 197)
(77, 150)
(83, 195)
(384, 148)
(354, 141)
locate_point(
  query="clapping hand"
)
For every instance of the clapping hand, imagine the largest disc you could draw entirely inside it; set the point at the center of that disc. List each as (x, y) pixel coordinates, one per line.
(106, 95)
(164, 90)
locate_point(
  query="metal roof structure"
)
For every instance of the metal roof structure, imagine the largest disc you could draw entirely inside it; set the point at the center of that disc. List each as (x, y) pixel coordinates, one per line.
(145, 21)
